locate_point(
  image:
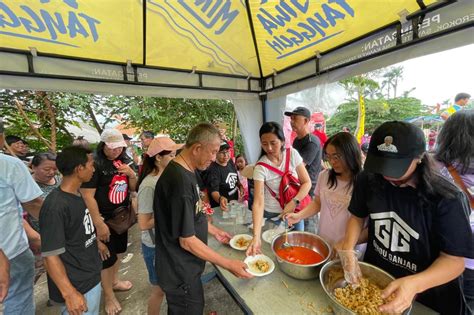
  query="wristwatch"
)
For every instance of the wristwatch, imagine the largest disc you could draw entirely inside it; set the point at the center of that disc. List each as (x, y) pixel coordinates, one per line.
(297, 202)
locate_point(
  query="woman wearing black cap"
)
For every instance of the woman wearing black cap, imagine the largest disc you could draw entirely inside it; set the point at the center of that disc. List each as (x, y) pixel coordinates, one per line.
(418, 222)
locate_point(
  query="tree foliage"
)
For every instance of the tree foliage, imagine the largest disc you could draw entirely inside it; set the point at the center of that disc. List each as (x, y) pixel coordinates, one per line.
(377, 112)
(377, 87)
(172, 116)
(391, 78)
(32, 115)
(177, 116)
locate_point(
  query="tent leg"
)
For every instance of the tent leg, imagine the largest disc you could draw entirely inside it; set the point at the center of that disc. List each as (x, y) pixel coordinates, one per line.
(263, 100)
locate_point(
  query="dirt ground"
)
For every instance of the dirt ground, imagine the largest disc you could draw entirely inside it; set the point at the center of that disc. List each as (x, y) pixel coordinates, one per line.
(135, 301)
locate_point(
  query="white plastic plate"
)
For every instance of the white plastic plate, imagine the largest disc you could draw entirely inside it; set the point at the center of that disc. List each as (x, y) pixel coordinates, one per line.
(250, 261)
(233, 241)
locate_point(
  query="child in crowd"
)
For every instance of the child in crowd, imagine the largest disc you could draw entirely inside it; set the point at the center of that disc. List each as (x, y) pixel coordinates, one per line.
(241, 163)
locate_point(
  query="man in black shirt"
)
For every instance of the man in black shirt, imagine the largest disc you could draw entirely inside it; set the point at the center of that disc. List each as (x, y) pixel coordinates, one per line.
(222, 180)
(182, 226)
(68, 238)
(307, 144)
(309, 147)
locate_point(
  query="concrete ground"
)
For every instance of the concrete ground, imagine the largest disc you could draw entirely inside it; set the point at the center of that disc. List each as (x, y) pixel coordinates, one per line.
(135, 301)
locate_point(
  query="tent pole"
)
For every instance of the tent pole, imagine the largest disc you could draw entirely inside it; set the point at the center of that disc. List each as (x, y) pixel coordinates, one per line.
(263, 100)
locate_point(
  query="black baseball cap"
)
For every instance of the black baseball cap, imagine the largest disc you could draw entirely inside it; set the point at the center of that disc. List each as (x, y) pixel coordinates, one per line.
(224, 146)
(303, 111)
(393, 147)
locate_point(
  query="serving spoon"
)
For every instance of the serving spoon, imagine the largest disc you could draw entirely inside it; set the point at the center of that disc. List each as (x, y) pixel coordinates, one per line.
(285, 244)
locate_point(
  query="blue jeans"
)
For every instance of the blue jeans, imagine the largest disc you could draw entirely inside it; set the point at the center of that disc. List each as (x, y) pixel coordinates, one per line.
(93, 301)
(149, 257)
(20, 299)
(269, 215)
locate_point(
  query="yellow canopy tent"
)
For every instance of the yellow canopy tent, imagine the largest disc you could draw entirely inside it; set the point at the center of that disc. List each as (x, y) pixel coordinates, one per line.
(249, 51)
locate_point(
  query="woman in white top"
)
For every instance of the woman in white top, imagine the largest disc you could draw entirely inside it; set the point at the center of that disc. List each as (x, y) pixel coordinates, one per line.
(273, 153)
(160, 152)
(334, 189)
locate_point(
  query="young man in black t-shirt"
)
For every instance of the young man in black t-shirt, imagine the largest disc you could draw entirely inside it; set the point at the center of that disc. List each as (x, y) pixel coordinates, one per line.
(222, 180)
(418, 227)
(181, 226)
(68, 238)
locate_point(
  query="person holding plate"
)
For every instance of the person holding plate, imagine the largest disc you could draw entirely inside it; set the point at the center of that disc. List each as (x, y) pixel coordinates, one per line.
(181, 225)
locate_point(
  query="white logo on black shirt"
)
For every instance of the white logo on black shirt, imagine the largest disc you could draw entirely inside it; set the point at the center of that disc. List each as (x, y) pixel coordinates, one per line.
(392, 231)
(395, 235)
(89, 228)
(232, 180)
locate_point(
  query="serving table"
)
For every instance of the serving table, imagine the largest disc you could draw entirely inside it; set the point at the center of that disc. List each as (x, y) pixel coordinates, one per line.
(275, 293)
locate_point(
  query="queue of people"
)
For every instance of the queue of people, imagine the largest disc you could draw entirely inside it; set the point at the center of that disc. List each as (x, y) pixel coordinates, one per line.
(413, 214)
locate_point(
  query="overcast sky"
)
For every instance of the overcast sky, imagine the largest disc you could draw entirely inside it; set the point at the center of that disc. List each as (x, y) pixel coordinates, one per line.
(440, 76)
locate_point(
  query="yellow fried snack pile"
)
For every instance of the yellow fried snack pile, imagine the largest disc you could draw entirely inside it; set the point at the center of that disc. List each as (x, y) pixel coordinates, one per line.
(261, 265)
(364, 299)
(242, 242)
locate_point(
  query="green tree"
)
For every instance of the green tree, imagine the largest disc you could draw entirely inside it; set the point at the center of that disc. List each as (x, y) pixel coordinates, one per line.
(36, 117)
(377, 112)
(45, 115)
(392, 77)
(177, 116)
(360, 86)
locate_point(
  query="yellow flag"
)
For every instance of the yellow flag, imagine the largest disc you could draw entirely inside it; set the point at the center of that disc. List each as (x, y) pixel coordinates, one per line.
(361, 122)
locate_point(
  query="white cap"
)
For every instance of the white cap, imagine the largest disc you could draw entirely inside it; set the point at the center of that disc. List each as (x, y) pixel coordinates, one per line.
(113, 138)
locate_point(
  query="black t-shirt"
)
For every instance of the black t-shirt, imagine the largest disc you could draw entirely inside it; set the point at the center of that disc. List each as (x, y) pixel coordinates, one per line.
(178, 213)
(111, 187)
(407, 236)
(223, 179)
(67, 231)
(309, 147)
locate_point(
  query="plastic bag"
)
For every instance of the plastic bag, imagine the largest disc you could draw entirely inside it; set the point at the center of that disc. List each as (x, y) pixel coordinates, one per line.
(350, 264)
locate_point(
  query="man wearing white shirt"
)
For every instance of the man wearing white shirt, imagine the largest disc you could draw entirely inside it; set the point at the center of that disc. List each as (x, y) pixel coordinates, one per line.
(17, 190)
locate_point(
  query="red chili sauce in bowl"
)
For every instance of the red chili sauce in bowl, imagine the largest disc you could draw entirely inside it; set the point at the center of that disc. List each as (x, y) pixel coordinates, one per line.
(300, 255)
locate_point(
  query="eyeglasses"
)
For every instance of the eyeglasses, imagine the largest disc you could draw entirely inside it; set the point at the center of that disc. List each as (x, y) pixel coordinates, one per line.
(332, 157)
(224, 152)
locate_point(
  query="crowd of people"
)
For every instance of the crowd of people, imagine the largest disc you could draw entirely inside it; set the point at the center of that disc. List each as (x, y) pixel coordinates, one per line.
(408, 211)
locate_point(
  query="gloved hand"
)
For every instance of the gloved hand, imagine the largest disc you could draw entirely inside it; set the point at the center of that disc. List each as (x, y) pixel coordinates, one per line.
(350, 264)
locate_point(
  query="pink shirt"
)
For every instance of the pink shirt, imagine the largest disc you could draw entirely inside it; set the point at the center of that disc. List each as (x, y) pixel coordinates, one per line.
(334, 203)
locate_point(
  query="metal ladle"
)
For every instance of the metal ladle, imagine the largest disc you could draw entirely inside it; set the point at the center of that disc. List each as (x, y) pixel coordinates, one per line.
(285, 244)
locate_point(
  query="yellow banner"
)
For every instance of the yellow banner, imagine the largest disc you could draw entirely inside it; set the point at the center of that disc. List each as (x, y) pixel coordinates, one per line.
(294, 30)
(361, 122)
(211, 36)
(105, 30)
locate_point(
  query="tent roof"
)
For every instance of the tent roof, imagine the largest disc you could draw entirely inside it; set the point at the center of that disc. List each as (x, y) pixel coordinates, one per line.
(231, 45)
